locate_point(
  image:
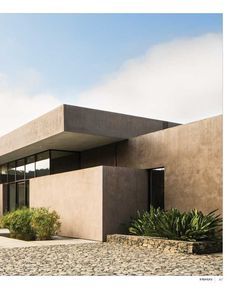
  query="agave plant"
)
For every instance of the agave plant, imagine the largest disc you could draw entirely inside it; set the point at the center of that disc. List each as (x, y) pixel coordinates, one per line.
(172, 224)
(145, 223)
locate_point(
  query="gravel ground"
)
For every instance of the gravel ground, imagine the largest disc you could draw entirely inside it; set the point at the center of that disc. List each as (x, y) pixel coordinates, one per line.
(104, 259)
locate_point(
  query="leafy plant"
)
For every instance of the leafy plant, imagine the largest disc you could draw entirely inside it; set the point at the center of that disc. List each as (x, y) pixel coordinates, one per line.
(145, 223)
(45, 223)
(172, 224)
(19, 224)
(31, 223)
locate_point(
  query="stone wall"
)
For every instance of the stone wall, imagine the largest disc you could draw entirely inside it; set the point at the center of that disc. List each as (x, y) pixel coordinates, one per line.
(167, 246)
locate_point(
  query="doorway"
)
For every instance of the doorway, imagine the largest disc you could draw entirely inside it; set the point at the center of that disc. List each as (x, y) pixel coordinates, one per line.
(156, 187)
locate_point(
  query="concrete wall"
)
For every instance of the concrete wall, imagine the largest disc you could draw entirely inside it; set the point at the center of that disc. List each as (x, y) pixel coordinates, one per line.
(124, 192)
(106, 123)
(191, 155)
(76, 196)
(91, 202)
(1, 200)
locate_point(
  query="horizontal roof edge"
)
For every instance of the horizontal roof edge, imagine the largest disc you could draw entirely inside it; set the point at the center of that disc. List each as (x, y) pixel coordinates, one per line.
(82, 126)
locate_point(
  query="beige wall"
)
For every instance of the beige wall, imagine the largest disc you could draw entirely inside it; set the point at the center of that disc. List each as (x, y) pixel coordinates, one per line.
(192, 157)
(124, 192)
(1, 200)
(76, 196)
(92, 202)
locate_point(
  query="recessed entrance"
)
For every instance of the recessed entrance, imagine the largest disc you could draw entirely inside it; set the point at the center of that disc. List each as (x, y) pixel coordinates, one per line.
(156, 187)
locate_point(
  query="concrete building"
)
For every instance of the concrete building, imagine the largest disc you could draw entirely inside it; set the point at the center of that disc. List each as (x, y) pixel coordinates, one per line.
(96, 168)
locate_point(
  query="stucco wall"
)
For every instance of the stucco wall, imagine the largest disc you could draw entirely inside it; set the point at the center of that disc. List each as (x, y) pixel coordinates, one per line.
(76, 196)
(125, 191)
(92, 202)
(1, 199)
(192, 157)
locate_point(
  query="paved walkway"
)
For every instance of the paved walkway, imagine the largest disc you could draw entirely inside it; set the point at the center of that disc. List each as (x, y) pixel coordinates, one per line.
(97, 258)
(57, 240)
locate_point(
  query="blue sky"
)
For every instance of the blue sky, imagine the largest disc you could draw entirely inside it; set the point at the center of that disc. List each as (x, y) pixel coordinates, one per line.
(163, 66)
(72, 52)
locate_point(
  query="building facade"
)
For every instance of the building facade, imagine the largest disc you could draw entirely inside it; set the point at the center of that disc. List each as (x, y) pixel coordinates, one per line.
(97, 168)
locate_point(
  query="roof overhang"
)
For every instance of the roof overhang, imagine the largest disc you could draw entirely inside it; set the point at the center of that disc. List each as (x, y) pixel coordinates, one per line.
(74, 128)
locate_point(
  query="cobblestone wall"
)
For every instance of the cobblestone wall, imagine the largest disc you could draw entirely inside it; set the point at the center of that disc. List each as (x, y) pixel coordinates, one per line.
(165, 245)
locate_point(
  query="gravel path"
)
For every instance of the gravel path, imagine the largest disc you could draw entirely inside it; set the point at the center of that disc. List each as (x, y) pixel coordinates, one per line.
(104, 259)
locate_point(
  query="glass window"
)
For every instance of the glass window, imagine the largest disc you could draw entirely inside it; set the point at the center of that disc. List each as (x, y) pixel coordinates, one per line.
(42, 164)
(63, 161)
(3, 174)
(12, 197)
(5, 198)
(27, 193)
(21, 194)
(30, 167)
(11, 172)
(20, 169)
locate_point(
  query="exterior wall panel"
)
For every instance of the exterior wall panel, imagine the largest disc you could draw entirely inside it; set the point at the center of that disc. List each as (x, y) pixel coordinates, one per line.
(124, 192)
(76, 196)
(92, 202)
(1, 199)
(102, 156)
(192, 157)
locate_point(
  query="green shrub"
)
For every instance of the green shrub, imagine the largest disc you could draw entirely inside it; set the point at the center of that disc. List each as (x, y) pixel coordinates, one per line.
(31, 223)
(172, 224)
(146, 223)
(19, 224)
(46, 224)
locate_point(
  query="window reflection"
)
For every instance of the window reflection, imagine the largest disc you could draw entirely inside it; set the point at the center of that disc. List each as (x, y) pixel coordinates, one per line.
(30, 167)
(42, 164)
(20, 169)
(11, 172)
(15, 175)
(21, 194)
(3, 174)
(12, 197)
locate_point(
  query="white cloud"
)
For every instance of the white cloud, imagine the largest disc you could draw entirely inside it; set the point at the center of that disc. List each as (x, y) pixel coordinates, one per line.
(19, 105)
(178, 81)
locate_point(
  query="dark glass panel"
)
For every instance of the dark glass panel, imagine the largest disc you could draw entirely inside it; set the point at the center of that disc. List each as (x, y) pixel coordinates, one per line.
(5, 198)
(157, 187)
(27, 193)
(11, 172)
(12, 197)
(62, 161)
(3, 174)
(42, 164)
(20, 169)
(30, 167)
(21, 194)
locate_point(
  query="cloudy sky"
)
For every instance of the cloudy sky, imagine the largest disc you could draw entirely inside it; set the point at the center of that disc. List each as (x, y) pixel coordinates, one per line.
(163, 66)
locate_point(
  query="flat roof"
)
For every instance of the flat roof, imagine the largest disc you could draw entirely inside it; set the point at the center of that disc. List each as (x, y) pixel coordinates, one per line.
(74, 128)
